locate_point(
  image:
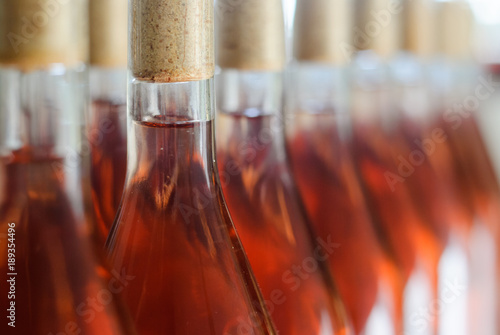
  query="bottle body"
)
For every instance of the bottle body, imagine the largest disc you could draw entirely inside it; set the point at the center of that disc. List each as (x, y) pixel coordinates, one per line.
(287, 257)
(318, 143)
(410, 200)
(173, 230)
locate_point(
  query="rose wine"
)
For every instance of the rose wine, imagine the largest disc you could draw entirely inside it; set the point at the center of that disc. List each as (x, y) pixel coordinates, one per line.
(434, 167)
(288, 261)
(396, 192)
(468, 147)
(332, 195)
(108, 140)
(58, 282)
(175, 236)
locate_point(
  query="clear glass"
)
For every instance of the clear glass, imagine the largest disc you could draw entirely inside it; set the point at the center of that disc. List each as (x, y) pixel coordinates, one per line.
(107, 135)
(287, 257)
(58, 281)
(173, 231)
(318, 140)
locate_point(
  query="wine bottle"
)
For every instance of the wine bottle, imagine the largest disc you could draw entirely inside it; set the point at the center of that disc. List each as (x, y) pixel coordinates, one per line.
(173, 231)
(318, 140)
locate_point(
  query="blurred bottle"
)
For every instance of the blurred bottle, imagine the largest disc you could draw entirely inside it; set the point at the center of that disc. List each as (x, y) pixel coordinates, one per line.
(108, 117)
(413, 235)
(461, 93)
(53, 280)
(318, 138)
(173, 231)
(286, 256)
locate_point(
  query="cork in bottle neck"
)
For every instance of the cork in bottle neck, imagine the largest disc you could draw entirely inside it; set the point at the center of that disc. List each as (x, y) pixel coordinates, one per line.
(172, 40)
(321, 29)
(108, 33)
(455, 30)
(35, 34)
(380, 26)
(420, 27)
(250, 35)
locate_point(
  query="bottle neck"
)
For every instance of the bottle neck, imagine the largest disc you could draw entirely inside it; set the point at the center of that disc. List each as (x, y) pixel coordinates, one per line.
(170, 133)
(250, 93)
(250, 106)
(42, 112)
(315, 92)
(317, 88)
(108, 84)
(373, 91)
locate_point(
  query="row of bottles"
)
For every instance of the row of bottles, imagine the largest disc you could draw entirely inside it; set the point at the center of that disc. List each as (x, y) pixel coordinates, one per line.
(349, 191)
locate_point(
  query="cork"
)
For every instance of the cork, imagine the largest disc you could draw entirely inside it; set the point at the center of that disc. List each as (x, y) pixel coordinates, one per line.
(251, 35)
(172, 40)
(321, 28)
(37, 33)
(380, 26)
(420, 27)
(455, 30)
(108, 33)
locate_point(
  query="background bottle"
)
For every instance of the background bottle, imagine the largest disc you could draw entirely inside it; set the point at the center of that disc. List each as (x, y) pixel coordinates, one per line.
(462, 90)
(53, 280)
(108, 115)
(173, 231)
(318, 140)
(379, 146)
(286, 256)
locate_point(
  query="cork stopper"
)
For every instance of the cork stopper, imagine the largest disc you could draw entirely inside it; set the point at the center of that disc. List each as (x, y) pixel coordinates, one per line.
(251, 35)
(108, 33)
(455, 27)
(321, 27)
(380, 27)
(420, 27)
(35, 34)
(172, 40)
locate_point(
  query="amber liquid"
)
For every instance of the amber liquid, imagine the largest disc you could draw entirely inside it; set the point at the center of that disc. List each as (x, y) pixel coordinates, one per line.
(476, 177)
(60, 283)
(334, 201)
(174, 234)
(420, 203)
(287, 260)
(402, 199)
(435, 183)
(477, 173)
(108, 140)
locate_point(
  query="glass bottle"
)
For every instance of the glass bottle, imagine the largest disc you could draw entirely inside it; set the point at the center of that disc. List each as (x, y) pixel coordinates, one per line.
(318, 142)
(53, 280)
(288, 259)
(440, 182)
(173, 231)
(378, 144)
(108, 116)
(461, 92)
(416, 166)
